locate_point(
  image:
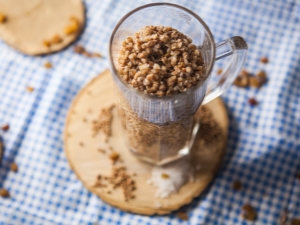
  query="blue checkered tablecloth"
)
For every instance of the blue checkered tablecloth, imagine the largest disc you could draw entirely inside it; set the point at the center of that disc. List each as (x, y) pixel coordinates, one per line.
(264, 142)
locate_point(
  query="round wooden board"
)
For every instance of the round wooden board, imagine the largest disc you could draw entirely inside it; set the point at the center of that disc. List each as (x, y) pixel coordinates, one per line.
(87, 162)
(30, 23)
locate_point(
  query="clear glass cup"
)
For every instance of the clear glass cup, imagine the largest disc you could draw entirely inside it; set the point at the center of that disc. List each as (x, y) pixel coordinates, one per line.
(161, 129)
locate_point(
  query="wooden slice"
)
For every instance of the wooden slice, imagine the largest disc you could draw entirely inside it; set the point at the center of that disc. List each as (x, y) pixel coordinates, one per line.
(29, 23)
(87, 162)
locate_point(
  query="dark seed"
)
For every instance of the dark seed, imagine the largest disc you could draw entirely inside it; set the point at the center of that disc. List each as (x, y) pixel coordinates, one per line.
(249, 212)
(182, 215)
(252, 101)
(14, 167)
(264, 59)
(4, 193)
(5, 127)
(295, 221)
(237, 185)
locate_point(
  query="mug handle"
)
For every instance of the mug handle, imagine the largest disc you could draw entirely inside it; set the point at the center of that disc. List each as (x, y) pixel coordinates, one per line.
(237, 47)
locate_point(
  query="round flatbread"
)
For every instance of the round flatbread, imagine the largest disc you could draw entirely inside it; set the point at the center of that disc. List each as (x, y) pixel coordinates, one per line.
(38, 27)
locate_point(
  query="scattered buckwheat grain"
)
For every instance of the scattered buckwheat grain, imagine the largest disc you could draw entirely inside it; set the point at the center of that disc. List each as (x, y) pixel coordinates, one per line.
(3, 18)
(14, 167)
(73, 26)
(114, 156)
(245, 79)
(249, 213)
(264, 59)
(210, 130)
(165, 176)
(262, 76)
(29, 89)
(284, 217)
(101, 150)
(5, 127)
(79, 49)
(219, 71)
(253, 102)
(182, 215)
(103, 122)
(298, 176)
(119, 178)
(295, 221)
(47, 43)
(254, 82)
(4, 193)
(97, 54)
(242, 80)
(48, 65)
(56, 39)
(237, 185)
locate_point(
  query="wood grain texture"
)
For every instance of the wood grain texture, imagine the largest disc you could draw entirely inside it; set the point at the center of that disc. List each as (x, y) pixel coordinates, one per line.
(29, 23)
(87, 162)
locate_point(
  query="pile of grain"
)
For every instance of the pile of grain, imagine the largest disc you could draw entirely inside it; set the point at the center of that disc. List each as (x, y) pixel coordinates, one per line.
(160, 61)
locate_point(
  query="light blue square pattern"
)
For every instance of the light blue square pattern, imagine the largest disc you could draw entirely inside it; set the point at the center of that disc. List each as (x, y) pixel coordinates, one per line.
(263, 150)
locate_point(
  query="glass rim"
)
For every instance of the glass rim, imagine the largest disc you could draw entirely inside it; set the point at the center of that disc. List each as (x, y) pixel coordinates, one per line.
(116, 73)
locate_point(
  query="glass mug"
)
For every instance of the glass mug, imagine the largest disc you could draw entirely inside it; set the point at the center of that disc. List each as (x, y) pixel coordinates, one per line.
(162, 129)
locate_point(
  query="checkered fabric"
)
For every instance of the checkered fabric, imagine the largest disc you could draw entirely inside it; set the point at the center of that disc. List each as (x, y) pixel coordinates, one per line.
(263, 150)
